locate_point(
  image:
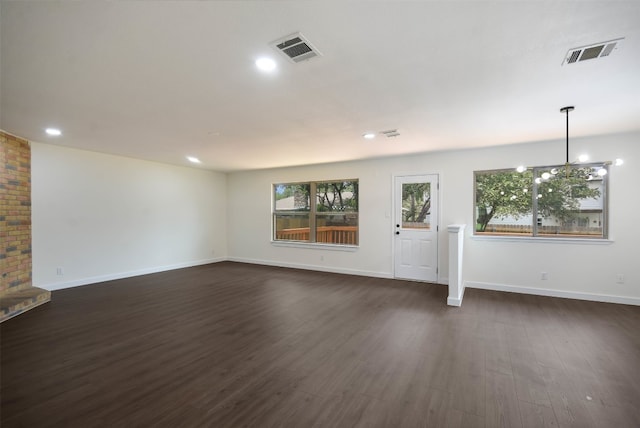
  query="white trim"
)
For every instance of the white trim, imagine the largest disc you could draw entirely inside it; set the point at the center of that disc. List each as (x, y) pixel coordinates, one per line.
(385, 275)
(395, 220)
(456, 251)
(456, 228)
(344, 271)
(605, 298)
(121, 275)
(455, 302)
(529, 239)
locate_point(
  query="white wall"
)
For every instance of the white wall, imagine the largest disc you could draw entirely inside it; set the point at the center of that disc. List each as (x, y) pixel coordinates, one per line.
(576, 270)
(102, 217)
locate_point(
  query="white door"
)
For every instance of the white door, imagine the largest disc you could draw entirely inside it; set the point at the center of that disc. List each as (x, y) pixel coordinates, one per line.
(416, 227)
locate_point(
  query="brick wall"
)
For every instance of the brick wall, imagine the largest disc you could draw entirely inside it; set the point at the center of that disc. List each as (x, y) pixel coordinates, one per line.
(15, 213)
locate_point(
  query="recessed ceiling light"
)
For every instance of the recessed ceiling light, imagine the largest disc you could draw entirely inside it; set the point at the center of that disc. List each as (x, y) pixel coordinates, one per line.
(265, 64)
(54, 132)
(193, 159)
(369, 135)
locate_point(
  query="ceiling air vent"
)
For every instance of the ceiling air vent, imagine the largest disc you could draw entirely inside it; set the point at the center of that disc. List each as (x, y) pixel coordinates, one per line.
(390, 133)
(296, 47)
(597, 50)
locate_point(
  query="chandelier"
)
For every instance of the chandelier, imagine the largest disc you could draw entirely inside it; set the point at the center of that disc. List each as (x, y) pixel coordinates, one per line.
(577, 168)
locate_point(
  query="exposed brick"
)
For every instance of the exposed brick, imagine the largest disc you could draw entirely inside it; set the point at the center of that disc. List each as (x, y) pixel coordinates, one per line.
(15, 212)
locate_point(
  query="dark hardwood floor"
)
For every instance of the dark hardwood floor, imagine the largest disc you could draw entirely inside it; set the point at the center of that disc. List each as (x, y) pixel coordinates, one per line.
(241, 345)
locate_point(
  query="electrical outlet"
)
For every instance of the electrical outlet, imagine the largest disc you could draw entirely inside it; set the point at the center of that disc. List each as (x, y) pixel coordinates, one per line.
(59, 271)
(620, 278)
(544, 276)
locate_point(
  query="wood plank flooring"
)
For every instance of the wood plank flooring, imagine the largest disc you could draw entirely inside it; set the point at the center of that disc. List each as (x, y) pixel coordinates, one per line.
(230, 344)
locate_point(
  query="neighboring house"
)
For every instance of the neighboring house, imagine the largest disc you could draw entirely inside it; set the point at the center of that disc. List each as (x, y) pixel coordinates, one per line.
(589, 215)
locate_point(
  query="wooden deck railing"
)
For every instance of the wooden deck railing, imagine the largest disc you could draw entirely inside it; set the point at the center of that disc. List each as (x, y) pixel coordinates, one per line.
(346, 235)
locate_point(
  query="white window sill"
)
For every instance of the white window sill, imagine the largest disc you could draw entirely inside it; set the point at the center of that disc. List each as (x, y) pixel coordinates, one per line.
(546, 240)
(315, 245)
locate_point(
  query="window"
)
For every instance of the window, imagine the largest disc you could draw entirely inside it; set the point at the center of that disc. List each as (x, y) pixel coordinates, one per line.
(329, 217)
(416, 205)
(552, 201)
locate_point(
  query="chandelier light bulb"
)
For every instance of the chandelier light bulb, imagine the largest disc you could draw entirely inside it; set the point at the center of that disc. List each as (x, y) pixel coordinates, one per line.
(618, 162)
(521, 168)
(583, 158)
(602, 172)
(546, 175)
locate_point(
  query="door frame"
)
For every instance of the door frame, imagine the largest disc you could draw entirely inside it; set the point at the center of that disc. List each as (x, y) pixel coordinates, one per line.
(394, 220)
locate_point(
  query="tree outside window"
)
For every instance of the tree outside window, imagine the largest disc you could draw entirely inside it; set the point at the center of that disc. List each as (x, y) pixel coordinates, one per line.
(550, 201)
(329, 217)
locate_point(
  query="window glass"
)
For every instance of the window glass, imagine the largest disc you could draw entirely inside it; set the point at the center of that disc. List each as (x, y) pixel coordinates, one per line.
(504, 202)
(553, 201)
(337, 212)
(330, 217)
(570, 203)
(416, 206)
(292, 211)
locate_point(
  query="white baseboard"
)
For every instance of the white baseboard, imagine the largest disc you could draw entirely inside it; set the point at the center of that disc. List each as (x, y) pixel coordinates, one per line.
(554, 293)
(329, 269)
(454, 302)
(444, 281)
(121, 275)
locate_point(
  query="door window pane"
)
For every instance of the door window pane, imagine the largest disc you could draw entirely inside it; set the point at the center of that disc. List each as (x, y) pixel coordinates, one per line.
(416, 205)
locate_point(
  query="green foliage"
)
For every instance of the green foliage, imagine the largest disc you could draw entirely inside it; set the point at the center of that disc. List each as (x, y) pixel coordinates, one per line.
(502, 194)
(510, 193)
(299, 191)
(560, 195)
(283, 191)
(416, 202)
(337, 196)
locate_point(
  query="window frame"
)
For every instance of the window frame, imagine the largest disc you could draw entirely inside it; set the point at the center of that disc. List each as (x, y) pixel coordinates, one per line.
(313, 216)
(534, 235)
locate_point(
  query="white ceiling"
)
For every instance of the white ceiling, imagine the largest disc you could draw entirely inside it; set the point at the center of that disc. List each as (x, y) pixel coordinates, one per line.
(162, 80)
